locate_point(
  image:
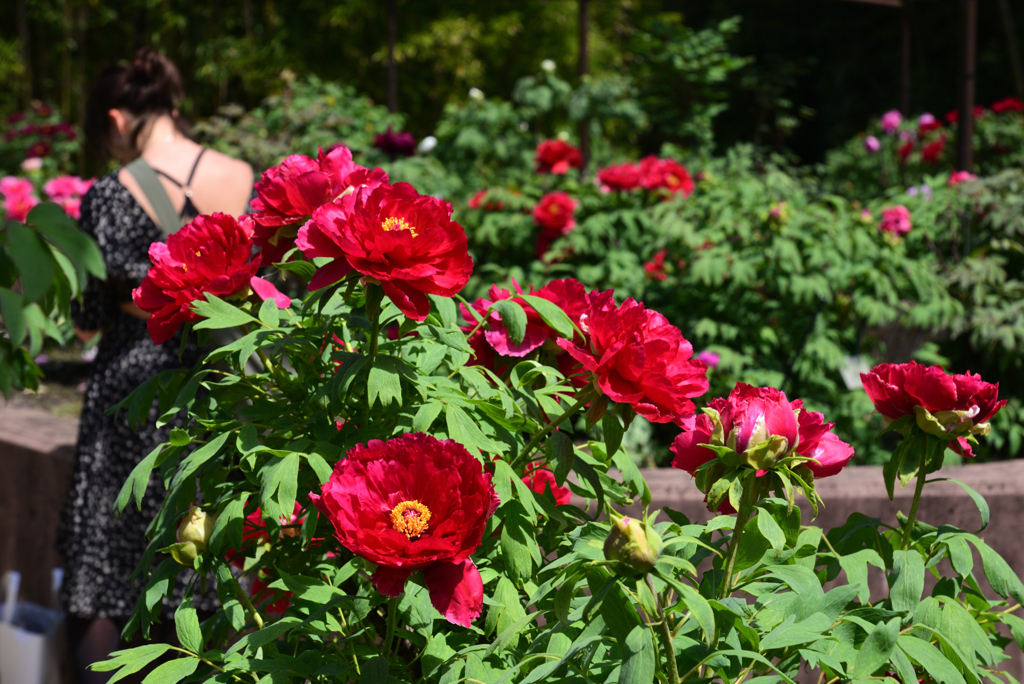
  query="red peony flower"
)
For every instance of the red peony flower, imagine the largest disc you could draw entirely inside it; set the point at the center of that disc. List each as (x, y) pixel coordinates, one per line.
(762, 426)
(569, 294)
(655, 268)
(405, 240)
(942, 404)
(895, 220)
(39, 149)
(288, 194)
(209, 255)
(904, 151)
(557, 156)
(933, 151)
(619, 177)
(477, 201)
(669, 174)
(414, 503)
(637, 357)
(395, 144)
(958, 177)
(540, 480)
(953, 116)
(554, 213)
(1008, 104)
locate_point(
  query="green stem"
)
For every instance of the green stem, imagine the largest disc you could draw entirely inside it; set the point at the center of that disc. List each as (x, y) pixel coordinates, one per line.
(913, 508)
(392, 623)
(585, 397)
(666, 636)
(243, 598)
(742, 516)
(374, 296)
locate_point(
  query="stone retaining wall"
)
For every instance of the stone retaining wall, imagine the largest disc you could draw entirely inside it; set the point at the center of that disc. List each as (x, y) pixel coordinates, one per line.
(37, 450)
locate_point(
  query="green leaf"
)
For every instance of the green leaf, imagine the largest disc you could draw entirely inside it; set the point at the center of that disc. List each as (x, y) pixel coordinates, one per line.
(613, 431)
(1000, 575)
(771, 530)
(187, 626)
(638, 664)
(11, 308)
(199, 457)
(560, 452)
(464, 430)
(507, 611)
(518, 542)
(322, 469)
(375, 671)
(551, 314)
(426, 415)
(909, 585)
(136, 484)
(33, 259)
(131, 660)
(230, 522)
(172, 671)
(931, 659)
(513, 317)
(876, 649)
(383, 383)
(977, 498)
(695, 603)
(219, 314)
(269, 315)
(446, 310)
(60, 229)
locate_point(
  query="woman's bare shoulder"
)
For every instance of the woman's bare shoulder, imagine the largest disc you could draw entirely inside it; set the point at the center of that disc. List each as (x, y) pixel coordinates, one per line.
(230, 179)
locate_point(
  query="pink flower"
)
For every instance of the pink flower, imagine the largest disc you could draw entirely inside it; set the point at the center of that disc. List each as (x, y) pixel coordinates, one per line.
(31, 164)
(895, 220)
(266, 290)
(19, 197)
(709, 357)
(958, 177)
(872, 144)
(762, 427)
(72, 206)
(891, 121)
(927, 122)
(63, 186)
(11, 186)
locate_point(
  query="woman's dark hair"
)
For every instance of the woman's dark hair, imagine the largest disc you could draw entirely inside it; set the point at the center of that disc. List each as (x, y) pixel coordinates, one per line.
(148, 87)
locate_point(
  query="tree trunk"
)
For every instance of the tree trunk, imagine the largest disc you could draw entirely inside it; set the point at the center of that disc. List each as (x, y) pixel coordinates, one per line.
(965, 125)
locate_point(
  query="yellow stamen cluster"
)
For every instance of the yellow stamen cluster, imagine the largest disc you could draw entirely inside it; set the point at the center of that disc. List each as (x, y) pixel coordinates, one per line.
(410, 518)
(395, 223)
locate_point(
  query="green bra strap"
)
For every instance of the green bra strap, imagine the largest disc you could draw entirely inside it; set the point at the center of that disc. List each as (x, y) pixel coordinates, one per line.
(168, 219)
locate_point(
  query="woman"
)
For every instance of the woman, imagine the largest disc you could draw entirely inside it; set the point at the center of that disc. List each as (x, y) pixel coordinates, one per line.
(131, 113)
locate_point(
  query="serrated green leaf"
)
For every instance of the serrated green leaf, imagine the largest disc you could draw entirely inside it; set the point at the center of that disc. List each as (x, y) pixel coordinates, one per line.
(218, 314)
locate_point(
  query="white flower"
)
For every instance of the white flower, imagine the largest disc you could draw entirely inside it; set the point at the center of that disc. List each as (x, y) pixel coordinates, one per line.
(32, 164)
(548, 65)
(476, 94)
(427, 144)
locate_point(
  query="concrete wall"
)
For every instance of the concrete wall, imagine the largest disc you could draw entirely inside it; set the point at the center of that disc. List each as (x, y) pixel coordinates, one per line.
(37, 449)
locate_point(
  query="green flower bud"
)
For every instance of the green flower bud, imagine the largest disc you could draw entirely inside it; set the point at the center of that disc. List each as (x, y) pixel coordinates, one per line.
(633, 545)
(194, 531)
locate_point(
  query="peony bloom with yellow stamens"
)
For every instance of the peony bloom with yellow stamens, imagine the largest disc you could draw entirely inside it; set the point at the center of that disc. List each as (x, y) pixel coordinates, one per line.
(414, 503)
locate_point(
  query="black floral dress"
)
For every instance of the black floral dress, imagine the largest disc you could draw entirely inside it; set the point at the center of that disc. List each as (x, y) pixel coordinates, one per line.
(101, 549)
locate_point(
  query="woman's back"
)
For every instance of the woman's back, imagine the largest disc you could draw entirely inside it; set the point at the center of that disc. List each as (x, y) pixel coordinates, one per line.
(218, 182)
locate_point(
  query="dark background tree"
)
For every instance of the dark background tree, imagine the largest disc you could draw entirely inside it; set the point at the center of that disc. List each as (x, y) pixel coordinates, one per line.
(819, 71)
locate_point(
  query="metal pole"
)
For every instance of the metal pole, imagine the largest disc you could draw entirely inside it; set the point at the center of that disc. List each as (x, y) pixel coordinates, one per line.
(392, 71)
(965, 127)
(905, 62)
(584, 69)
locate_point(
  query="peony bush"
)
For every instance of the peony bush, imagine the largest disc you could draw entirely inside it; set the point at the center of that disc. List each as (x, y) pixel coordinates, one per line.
(386, 481)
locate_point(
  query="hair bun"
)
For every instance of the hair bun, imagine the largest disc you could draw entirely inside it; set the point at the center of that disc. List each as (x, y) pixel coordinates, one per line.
(154, 80)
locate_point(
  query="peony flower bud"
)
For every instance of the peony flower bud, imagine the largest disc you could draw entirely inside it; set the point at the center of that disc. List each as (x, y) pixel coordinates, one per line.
(633, 545)
(194, 531)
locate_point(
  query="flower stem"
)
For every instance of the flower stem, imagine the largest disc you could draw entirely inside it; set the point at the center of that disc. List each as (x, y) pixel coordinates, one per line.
(666, 636)
(585, 397)
(374, 296)
(243, 598)
(742, 516)
(392, 622)
(913, 508)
